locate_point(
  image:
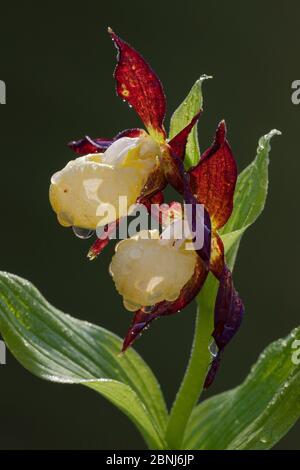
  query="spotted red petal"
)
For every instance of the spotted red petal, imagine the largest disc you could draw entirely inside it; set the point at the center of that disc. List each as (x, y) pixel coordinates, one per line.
(140, 87)
(88, 145)
(142, 320)
(178, 143)
(213, 179)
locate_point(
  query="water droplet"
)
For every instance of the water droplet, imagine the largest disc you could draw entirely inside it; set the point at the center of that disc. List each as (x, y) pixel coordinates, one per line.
(83, 233)
(148, 308)
(213, 348)
(263, 440)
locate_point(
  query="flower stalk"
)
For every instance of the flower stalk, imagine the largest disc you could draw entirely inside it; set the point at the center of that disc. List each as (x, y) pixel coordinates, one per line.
(194, 378)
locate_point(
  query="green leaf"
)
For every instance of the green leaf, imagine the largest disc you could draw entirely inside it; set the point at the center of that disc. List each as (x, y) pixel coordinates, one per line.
(258, 413)
(250, 416)
(183, 116)
(59, 348)
(249, 202)
(249, 198)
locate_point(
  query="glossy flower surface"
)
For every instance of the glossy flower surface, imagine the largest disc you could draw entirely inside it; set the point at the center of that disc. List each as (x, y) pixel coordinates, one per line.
(80, 192)
(148, 270)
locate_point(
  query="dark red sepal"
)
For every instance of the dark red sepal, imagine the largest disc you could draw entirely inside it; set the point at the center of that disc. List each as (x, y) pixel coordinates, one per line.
(205, 251)
(178, 143)
(140, 87)
(213, 179)
(99, 145)
(102, 241)
(229, 311)
(88, 145)
(228, 315)
(156, 199)
(214, 367)
(143, 320)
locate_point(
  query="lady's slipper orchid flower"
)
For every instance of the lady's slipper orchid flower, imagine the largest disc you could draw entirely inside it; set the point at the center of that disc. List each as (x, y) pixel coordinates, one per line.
(81, 191)
(211, 183)
(148, 269)
(127, 166)
(155, 277)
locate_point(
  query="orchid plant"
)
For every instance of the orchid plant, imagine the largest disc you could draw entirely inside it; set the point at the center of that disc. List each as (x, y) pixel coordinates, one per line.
(158, 278)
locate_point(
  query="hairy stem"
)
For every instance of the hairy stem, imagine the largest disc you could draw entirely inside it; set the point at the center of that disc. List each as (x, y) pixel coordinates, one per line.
(193, 381)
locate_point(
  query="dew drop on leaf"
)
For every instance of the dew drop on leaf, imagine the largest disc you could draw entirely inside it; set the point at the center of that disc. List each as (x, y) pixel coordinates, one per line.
(263, 440)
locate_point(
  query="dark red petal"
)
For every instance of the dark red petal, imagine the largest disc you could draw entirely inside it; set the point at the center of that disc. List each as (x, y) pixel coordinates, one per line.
(214, 367)
(178, 143)
(156, 182)
(173, 154)
(217, 260)
(229, 308)
(135, 132)
(176, 175)
(143, 320)
(172, 168)
(139, 85)
(103, 240)
(229, 311)
(156, 199)
(194, 224)
(88, 145)
(213, 179)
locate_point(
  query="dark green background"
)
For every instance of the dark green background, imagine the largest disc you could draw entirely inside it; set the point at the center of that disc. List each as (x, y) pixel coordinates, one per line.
(57, 62)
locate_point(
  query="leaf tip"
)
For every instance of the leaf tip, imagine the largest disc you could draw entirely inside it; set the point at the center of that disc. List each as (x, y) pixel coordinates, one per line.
(264, 141)
(204, 77)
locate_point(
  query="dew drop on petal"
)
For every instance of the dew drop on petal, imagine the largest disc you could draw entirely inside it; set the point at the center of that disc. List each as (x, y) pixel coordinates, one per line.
(148, 309)
(83, 233)
(213, 348)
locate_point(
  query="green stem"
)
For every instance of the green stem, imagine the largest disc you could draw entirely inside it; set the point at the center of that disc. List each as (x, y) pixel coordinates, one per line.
(193, 381)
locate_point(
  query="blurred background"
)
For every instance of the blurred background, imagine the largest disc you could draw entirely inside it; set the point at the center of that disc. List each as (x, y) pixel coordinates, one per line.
(57, 61)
